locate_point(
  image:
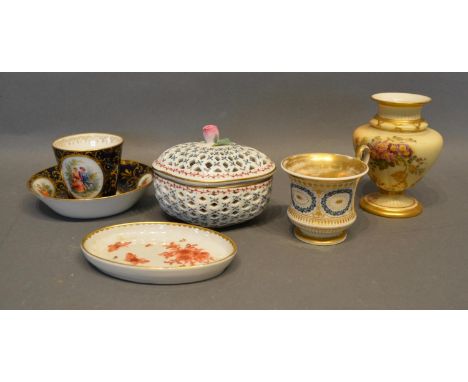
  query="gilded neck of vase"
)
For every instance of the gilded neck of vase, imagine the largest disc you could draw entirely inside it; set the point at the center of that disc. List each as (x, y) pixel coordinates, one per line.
(400, 116)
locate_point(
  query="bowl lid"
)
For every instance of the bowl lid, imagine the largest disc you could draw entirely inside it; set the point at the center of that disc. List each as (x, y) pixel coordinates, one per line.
(213, 161)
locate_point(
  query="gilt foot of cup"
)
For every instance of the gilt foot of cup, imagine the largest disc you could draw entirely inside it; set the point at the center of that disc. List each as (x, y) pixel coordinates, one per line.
(391, 205)
(324, 240)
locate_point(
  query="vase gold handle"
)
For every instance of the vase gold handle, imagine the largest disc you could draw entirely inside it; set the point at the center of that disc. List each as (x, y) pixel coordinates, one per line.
(363, 153)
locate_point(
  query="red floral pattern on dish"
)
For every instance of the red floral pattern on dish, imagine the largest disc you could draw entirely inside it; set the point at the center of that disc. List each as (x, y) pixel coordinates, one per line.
(117, 245)
(189, 254)
(134, 259)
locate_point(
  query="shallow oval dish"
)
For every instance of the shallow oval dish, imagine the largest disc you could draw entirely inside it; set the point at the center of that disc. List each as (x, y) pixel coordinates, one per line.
(159, 252)
(134, 179)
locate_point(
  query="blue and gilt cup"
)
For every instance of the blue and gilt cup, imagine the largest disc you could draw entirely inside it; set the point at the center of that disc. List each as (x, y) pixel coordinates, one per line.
(89, 163)
(323, 187)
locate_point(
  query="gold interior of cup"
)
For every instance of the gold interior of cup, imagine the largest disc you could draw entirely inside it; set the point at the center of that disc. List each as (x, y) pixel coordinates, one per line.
(321, 165)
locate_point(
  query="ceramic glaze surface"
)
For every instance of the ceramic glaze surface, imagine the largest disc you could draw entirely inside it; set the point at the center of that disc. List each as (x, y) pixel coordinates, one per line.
(331, 211)
(87, 142)
(89, 163)
(201, 161)
(49, 187)
(215, 183)
(323, 187)
(213, 161)
(43, 186)
(402, 150)
(158, 252)
(83, 176)
(212, 207)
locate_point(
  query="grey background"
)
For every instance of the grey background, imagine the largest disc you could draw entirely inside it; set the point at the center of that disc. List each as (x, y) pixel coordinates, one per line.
(414, 263)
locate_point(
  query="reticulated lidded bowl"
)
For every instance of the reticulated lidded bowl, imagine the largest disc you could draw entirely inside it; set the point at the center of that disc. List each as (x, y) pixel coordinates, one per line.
(213, 162)
(213, 183)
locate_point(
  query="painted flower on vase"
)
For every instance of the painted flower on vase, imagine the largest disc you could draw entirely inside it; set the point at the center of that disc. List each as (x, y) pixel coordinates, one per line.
(394, 152)
(386, 153)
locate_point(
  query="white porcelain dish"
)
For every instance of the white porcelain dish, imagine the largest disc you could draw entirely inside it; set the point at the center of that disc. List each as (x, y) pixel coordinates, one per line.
(159, 252)
(134, 178)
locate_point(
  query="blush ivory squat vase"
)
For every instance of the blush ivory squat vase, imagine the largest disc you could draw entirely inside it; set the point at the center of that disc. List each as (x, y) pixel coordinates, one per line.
(402, 149)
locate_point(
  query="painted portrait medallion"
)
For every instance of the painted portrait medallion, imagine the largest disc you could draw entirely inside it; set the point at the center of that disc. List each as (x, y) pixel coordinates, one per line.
(44, 187)
(83, 176)
(144, 180)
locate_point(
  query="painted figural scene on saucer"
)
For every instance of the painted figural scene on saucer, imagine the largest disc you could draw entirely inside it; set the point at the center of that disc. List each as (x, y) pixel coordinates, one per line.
(49, 187)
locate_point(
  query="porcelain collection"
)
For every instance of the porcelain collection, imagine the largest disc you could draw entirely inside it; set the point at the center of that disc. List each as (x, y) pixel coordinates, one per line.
(218, 183)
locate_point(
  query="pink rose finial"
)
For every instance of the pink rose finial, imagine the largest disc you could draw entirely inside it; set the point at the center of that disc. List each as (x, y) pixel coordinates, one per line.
(211, 133)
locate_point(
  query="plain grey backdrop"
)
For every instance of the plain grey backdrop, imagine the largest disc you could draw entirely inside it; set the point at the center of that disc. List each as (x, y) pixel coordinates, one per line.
(384, 264)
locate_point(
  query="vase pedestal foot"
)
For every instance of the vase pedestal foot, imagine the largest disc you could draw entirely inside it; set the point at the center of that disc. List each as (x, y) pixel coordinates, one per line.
(391, 205)
(320, 241)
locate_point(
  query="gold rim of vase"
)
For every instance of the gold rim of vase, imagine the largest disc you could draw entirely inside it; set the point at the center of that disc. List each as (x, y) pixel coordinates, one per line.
(378, 97)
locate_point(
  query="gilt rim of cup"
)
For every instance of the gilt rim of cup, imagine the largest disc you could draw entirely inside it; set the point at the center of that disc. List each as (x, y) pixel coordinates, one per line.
(119, 138)
(302, 176)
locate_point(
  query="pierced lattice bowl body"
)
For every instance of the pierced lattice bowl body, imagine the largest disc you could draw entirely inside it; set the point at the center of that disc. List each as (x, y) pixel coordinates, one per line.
(212, 206)
(213, 185)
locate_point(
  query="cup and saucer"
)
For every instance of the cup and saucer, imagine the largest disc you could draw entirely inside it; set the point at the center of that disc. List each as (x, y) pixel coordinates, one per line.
(90, 179)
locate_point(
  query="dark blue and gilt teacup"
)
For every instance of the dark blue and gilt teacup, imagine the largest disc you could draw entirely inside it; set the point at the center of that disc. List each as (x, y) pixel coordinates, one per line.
(89, 163)
(323, 187)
